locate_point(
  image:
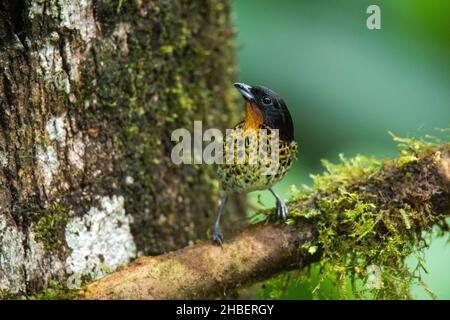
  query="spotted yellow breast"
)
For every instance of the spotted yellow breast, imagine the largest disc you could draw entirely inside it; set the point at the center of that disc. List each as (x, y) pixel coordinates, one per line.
(257, 163)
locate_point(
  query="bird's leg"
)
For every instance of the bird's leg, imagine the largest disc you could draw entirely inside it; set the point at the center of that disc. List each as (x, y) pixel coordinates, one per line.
(281, 210)
(217, 232)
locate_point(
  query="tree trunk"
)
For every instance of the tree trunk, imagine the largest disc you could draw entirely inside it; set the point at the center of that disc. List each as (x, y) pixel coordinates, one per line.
(90, 91)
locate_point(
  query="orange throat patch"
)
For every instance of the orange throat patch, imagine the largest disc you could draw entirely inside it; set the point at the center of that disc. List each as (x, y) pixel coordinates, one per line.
(253, 116)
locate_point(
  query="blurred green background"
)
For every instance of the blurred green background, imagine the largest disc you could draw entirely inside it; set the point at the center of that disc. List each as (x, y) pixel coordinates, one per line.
(347, 86)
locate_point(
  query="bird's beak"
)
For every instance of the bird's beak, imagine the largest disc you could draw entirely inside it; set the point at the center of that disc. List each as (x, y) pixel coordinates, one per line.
(244, 89)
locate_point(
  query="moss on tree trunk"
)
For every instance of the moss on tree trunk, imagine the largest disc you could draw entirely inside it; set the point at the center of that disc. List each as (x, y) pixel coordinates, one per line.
(89, 94)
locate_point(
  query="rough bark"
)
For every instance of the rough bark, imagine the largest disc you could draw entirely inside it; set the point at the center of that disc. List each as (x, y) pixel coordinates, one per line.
(89, 93)
(207, 271)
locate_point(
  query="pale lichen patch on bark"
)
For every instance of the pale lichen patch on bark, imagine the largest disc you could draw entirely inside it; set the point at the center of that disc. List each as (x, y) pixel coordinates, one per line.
(101, 238)
(72, 14)
(51, 66)
(74, 60)
(56, 129)
(60, 64)
(3, 159)
(79, 15)
(47, 161)
(75, 152)
(47, 157)
(12, 257)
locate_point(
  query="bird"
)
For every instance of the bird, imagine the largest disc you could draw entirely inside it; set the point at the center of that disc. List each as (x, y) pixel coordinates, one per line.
(264, 109)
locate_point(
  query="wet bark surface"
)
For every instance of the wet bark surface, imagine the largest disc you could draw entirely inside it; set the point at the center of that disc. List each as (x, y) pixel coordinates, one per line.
(90, 91)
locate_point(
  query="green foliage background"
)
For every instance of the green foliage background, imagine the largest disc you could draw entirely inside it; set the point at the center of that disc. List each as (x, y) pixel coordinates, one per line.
(346, 87)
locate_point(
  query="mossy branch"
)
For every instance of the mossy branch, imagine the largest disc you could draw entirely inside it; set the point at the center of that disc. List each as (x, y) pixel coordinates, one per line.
(361, 212)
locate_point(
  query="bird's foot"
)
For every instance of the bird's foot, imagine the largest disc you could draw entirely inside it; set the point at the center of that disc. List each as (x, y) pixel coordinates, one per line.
(282, 210)
(217, 234)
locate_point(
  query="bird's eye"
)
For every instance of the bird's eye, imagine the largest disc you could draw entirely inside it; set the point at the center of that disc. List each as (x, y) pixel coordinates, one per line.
(266, 100)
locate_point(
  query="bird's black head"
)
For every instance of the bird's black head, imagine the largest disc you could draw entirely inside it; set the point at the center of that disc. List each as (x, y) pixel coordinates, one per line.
(274, 111)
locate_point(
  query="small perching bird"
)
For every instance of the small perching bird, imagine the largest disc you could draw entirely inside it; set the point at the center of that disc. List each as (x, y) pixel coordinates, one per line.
(267, 132)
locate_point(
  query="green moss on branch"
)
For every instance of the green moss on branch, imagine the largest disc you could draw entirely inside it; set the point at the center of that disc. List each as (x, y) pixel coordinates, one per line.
(371, 215)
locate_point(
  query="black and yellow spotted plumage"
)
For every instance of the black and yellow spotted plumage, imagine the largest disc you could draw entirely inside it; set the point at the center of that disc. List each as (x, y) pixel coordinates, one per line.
(246, 177)
(264, 109)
